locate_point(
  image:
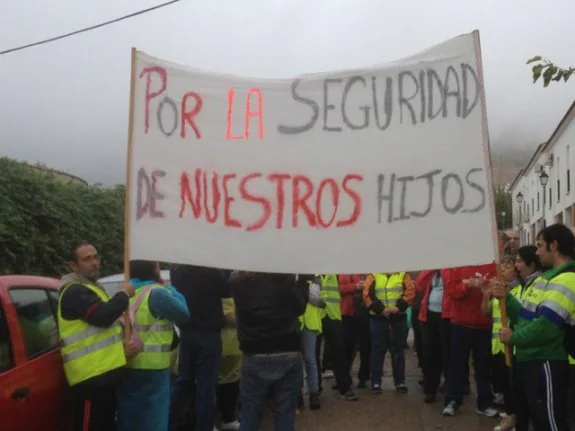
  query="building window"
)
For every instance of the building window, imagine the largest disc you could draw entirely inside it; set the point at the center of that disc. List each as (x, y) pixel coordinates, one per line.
(558, 190)
(568, 180)
(538, 199)
(550, 196)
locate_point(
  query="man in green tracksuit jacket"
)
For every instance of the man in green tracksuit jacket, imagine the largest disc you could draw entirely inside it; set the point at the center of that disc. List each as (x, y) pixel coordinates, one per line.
(541, 373)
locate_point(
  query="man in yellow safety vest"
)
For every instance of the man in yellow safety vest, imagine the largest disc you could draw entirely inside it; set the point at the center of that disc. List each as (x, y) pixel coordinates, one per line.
(91, 339)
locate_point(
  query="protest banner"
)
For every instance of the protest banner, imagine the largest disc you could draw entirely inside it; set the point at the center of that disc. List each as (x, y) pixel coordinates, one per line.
(384, 168)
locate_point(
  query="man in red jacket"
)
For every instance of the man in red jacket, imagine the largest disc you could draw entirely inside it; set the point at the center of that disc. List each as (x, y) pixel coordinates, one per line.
(355, 318)
(470, 333)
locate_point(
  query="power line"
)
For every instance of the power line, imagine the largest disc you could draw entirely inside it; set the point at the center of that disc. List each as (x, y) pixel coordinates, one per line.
(103, 24)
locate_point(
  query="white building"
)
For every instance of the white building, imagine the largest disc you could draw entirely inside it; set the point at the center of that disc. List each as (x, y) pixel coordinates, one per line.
(543, 192)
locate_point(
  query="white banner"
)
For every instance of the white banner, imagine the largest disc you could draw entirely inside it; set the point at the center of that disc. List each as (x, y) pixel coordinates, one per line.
(379, 169)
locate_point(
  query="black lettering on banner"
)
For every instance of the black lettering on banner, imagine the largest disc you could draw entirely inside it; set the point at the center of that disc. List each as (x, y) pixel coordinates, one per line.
(444, 188)
(430, 184)
(448, 91)
(406, 101)
(327, 106)
(465, 70)
(476, 187)
(433, 79)
(365, 109)
(147, 194)
(387, 102)
(454, 194)
(402, 213)
(290, 130)
(167, 101)
(381, 197)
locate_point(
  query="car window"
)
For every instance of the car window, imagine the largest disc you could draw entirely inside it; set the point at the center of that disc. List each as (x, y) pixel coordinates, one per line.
(112, 287)
(5, 348)
(37, 319)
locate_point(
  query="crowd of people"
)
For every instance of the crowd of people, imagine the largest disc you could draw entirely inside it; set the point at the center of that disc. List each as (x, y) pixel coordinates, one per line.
(249, 341)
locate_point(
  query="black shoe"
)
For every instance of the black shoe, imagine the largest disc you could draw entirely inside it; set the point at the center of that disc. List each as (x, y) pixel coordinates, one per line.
(430, 398)
(401, 388)
(314, 401)
(362, 384)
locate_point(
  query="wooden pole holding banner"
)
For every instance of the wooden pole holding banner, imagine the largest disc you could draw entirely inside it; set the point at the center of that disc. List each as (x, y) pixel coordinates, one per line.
(487, 152)
(127, 190)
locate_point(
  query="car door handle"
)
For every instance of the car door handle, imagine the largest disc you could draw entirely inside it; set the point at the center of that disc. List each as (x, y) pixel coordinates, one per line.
(20, 393)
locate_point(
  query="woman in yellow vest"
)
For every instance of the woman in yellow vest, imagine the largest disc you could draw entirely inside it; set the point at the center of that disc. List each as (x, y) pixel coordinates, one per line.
(230, 368)
(519, 275)
(144, 394)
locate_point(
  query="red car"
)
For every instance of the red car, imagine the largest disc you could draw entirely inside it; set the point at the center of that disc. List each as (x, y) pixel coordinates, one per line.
(33, 390)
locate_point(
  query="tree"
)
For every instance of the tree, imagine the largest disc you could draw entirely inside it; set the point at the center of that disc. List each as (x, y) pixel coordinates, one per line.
(41, 217)
(548, 70)
(503, 208)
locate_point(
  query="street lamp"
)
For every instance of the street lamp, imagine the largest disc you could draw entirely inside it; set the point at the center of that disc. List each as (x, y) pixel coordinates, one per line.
(544, 179)
(520, 201)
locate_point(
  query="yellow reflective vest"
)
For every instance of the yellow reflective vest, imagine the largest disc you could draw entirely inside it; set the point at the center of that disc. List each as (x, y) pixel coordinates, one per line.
(330, 294)
(388, 288)
(496, 345)
(88, 351)
(311, 318)
(156, 335)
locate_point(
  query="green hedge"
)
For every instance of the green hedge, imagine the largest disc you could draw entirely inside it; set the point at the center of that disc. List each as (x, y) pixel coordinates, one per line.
(41, 217)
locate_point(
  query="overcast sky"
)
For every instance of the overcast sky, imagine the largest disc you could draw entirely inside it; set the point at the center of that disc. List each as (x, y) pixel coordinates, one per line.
(65, 104)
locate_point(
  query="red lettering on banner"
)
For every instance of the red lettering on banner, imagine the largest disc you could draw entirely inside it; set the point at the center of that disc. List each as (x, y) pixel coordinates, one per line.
(249, 114)
(355, 197)
(334, 201)
(189, 117)
(259, 114)
(161, 72)
(280, 196)
(300, 200)
(307, 199)
(228, 219)
(265, 203)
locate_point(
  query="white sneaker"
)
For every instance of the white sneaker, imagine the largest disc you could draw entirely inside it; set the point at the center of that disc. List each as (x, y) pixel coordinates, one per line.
(235, 425)
(449, 409)
(327, 374)
(490, 412)
(498, 399)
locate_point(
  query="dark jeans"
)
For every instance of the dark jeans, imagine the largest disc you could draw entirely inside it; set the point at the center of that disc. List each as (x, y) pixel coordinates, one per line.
(388, 334)
(97, 405)
(417, 335)
(463, 342)
(200, 356)
(434, 345)
(501, 381)
(333, 336)
(228, 395)
(356, 333)
(540, 394)
(278, 376)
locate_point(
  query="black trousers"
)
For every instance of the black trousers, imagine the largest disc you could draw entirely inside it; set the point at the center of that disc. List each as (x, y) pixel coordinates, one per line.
(356, 334)
(97, 404)
(540, 391)
(501, 381)
(333, 336)
(435, 350)
(228, 395)
(417, 335)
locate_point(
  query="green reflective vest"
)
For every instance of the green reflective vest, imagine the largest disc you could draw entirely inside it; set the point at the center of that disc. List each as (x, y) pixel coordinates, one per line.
(330, 294)
(88, 351)
(388, 288)
(496, 345)
(156, 335)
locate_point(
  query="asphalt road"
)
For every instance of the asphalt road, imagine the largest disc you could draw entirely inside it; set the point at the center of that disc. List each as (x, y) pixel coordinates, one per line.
(388, 411)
